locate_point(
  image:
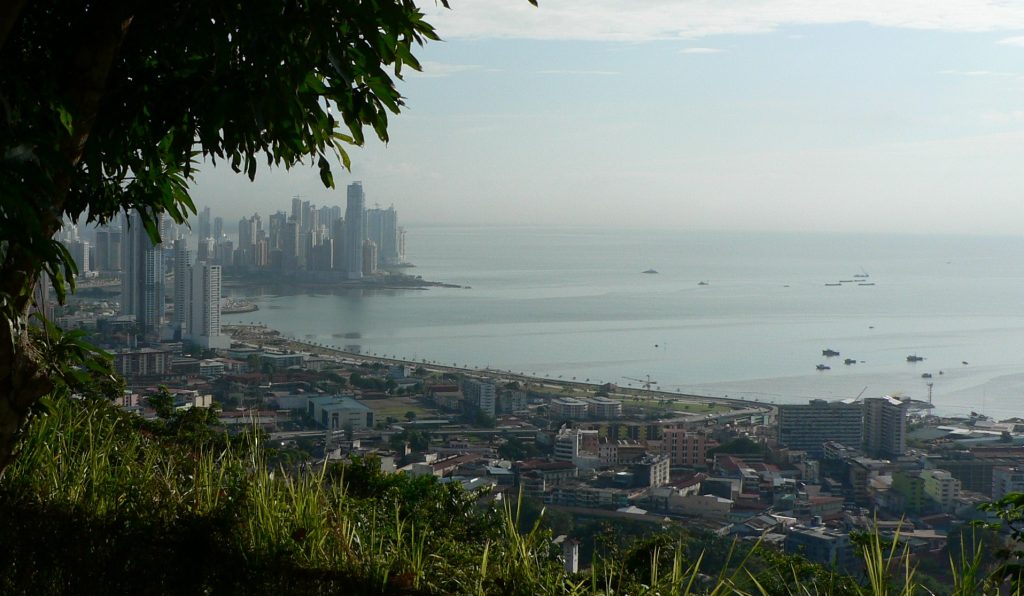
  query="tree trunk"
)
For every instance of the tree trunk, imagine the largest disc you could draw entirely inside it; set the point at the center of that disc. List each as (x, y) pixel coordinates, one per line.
(24, 376)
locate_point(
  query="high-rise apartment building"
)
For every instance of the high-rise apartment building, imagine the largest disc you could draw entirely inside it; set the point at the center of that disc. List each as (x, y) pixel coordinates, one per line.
(142, 279)
(885, 427)
(382, 229)
(807, 427)
(355, 230)
(108, 244)
(370, 257)
(481, 394)
(275, 229)
(218, 229)
(203, 322)
(203, 228)
(182, 272)
(290, 245)
(338, 239)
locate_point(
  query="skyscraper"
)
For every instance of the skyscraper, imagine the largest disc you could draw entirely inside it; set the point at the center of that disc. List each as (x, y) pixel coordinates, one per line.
(182, 264)
(290, 245)
(338, 238)
(204, 306)
(218, 228)
(142, 279)
(382, 228)
(355, 230)
(204, 230)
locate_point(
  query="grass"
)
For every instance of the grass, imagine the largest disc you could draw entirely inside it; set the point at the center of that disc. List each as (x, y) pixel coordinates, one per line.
(98, 501)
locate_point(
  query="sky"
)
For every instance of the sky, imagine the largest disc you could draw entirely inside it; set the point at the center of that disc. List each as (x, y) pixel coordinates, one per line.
(890, 116)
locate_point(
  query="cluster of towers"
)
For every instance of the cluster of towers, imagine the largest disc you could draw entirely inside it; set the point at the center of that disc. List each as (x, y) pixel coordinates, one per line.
(310, 238)
(196, 292)
(350, 246)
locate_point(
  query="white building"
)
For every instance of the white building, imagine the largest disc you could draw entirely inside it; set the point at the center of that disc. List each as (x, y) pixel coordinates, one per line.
(203, 320)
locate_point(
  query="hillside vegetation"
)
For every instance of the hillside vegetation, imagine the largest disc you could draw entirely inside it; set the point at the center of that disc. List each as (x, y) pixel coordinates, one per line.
(101, 501)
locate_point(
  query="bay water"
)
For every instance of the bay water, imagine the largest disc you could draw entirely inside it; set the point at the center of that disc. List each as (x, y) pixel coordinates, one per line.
(572, 302)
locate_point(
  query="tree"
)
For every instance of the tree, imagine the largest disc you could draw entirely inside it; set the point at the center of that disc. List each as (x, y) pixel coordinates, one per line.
(106, 106)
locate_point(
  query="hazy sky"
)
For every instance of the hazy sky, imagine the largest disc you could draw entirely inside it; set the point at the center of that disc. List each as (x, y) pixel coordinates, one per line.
(856, 115)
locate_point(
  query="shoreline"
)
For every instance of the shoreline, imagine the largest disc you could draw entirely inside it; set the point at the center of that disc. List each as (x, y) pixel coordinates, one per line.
(323, 280)
(738, 406)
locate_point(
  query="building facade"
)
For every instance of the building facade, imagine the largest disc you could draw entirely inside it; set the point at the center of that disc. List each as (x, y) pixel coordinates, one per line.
(807, 427)
(885, 427)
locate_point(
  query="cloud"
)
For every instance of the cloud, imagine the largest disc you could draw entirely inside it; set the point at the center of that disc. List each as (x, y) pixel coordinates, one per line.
(700, 51)
(579, 72)
(441, 69)
(629, 20)
(1012, 41)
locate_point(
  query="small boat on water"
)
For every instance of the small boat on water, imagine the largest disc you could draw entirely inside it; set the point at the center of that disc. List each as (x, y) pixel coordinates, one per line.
(702, 283)
(823, 367)
(867, 284)
(829, 352)
(850, 361)
(649, 271)
(914, 358)
(833, 284)
(926, 376)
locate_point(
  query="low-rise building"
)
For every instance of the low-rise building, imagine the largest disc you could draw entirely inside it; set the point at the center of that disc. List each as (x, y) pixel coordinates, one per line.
(702, 506)
(822, 545)
(941, 488)
(604, 408)
(686, 448)
(143, 362)
(338, 412)
(568, 408)
(1007, 479)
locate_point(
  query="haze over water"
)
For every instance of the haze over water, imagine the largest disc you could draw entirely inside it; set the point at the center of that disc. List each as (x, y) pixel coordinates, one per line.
(573, 302)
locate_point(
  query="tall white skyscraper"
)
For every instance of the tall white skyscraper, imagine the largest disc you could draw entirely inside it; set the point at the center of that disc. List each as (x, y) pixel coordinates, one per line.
(355, 230)
(182, 264)
(203, 322)
(142, 279)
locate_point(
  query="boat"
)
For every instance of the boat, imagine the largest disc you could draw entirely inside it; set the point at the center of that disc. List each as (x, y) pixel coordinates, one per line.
(829, 352)
(926, 376)
(863, 274)
(823, 367)
(914, 358)
(850, 361)
(867, 284)
(650, 271)
(846, 281)
(833, 284)
(702, 283)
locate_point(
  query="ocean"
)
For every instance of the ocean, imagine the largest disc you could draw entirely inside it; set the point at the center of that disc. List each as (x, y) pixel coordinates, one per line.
(566, 302)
